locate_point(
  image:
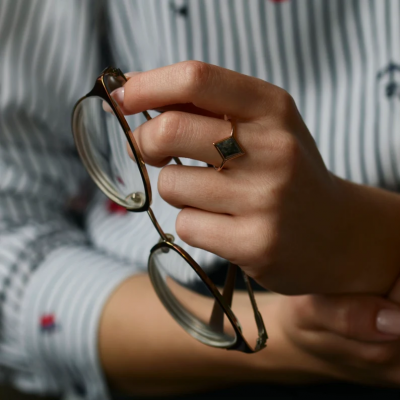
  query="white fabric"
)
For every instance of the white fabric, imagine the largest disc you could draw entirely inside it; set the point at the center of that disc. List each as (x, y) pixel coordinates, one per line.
(339, 59)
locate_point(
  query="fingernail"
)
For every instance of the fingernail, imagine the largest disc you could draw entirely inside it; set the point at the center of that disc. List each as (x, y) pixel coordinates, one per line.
(388, 321)
(118, 96)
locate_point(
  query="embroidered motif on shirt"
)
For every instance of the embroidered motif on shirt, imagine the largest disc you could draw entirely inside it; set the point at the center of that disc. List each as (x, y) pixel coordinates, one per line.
(390, 75)
(48, 323)
(79, 389)
(114, 208)
(182, 10)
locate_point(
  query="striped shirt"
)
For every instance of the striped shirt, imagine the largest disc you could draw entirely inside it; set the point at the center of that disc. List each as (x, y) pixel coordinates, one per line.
(340, 60)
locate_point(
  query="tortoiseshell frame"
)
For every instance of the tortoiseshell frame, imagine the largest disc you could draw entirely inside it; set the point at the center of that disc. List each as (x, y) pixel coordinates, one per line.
(192, 325)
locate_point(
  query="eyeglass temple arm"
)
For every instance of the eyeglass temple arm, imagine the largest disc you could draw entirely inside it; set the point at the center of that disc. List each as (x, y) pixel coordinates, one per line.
(262, 332)
(157, 225)
(217, 315)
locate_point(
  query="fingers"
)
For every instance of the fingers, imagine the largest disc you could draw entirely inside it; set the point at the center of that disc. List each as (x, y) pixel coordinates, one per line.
(350, 316)
(370, 361)
(201, 188)
(206, 189)
(178, 134)
(342, 330)
(220, 234)
(189, 108)
(205, 230)
(208, 87)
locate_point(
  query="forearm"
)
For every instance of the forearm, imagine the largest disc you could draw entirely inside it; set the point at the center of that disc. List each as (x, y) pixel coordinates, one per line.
(370, 245)
(144, 351)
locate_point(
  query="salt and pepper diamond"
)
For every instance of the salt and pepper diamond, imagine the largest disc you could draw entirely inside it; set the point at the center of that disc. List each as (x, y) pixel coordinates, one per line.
(229, 148)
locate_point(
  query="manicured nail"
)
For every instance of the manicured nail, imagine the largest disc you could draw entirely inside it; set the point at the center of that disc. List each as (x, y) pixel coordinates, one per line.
(388, 321)
(118, 96)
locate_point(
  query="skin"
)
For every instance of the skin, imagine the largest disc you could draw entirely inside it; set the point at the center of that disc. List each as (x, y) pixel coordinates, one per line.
(140, 359)
(310, 231)
(291, 202)
(342, 331)
(143, 351)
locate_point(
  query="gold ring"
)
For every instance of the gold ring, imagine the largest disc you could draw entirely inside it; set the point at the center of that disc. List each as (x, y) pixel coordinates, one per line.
(228, 148)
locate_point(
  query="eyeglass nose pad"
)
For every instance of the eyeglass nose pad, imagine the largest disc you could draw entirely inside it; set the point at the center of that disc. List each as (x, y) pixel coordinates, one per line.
(137, 198)
(170, 239)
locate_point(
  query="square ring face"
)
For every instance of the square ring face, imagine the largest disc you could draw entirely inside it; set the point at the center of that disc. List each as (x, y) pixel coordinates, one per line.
(229, 148)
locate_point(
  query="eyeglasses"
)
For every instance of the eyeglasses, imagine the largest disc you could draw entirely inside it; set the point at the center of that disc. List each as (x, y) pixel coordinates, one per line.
(104, 139)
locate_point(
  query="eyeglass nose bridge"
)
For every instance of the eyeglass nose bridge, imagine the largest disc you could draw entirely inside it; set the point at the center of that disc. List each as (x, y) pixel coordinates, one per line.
(164, 237)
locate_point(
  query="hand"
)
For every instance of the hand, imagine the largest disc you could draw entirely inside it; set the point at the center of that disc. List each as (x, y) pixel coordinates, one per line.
(277, 211)
(152, 361)
(358, 335)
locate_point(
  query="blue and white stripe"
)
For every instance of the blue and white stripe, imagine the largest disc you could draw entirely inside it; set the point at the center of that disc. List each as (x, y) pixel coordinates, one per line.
(330, 55)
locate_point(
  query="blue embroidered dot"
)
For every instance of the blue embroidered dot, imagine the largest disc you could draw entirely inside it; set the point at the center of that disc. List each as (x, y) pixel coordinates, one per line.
(183, 10)
(80, 389)
(392, 72)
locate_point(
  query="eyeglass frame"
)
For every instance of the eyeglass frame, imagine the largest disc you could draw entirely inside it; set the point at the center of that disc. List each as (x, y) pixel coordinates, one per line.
(190, 323)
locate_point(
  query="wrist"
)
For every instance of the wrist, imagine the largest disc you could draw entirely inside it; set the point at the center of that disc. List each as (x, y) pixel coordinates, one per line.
(283, 361)
(368, 238)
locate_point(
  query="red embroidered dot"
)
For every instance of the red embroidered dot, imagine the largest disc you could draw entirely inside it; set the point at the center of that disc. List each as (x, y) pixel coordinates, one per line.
(114, 208)
(48, 322)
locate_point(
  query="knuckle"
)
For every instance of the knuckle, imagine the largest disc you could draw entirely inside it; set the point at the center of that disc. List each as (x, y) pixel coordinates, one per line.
(256, 194)
(167, 183)
(168, 128)
(306, 304)
(303, 310)
(260, 251)
(289, 147)
(285, 102)
(378, 354)
(256, 249)
(292, 148)
(135, 89)
(288, 155)
(346, 319)
(184, 226)
(242, 257)
(145, 136)
(196, 75)
(353, 318)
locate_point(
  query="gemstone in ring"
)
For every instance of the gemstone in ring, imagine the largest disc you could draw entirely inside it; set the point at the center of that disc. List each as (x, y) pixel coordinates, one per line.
(228, 148)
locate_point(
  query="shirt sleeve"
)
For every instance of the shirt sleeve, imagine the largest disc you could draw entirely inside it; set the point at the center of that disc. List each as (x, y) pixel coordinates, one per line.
(50, 56)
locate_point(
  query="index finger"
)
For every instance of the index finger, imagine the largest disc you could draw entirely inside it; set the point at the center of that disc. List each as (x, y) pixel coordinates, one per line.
(218, 90)
(350, 316)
